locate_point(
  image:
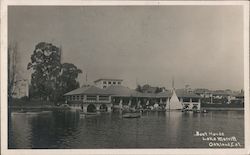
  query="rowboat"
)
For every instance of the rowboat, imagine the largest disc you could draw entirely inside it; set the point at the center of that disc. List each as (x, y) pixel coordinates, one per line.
(204, 111)
(131, 115)
(18, 112)
(88, 114)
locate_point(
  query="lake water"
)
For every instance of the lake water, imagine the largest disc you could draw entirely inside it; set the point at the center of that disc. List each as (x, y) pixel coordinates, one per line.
(66, 129)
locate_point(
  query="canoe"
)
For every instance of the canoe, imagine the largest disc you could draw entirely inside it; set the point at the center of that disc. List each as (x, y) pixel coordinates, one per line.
(131, 115)
(33, 113)
(91, 113)
(18, 112)
(46, 112)
(88, 114)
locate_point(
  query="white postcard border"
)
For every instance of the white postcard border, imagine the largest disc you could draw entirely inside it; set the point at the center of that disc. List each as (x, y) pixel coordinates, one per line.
(4, 41)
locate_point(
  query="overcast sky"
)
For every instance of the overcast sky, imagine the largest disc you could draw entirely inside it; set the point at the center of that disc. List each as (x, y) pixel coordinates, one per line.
(197, 45)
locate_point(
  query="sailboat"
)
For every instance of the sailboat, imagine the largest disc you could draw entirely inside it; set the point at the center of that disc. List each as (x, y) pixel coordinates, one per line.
(174, 103)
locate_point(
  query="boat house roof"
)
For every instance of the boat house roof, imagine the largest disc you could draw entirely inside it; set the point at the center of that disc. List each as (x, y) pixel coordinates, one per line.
(179, 93)
(122, 91)
(88, 90)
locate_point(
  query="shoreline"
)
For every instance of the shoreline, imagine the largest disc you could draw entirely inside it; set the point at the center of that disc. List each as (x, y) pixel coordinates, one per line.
(222, 109)
(56, 107)
(37, 108)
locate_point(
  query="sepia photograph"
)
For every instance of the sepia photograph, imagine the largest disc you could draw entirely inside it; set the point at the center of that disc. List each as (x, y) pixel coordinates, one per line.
(125, 77)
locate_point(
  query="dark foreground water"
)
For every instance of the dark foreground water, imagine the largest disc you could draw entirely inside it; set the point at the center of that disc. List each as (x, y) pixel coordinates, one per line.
(66, 129)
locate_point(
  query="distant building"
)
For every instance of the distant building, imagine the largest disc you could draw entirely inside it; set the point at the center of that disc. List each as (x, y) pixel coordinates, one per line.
(219, 96)
(238, 98)
(104, 83)
(21, 89)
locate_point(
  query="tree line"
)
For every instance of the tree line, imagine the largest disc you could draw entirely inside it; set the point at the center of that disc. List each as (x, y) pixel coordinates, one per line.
(149, 89)
(50, 78)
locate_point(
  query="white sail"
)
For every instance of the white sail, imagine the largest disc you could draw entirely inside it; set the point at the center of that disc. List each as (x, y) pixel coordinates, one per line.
(175, 104)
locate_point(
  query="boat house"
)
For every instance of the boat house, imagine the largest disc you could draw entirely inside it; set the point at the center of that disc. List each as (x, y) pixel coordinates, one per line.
(91, 99)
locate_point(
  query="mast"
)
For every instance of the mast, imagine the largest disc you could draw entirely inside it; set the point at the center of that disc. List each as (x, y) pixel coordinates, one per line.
(173, 84)
(174, 100)
(169, 103)
(86, 78)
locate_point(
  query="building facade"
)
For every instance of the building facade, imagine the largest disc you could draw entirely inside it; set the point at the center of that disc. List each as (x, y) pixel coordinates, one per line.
(89, 99)
(92, 99)
(21, 89)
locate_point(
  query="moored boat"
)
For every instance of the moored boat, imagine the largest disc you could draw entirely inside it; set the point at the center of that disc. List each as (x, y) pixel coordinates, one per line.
(91, 113)
(86, 114)
(45, 112)
(33, 112)
(204, 111)
(18, 112)
(131, 115)
(196, 111)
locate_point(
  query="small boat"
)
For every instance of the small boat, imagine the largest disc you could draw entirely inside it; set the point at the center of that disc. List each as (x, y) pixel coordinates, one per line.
(45, 112)
(131, 115)
(33, 112)
(204, 111)
(196, 111)
(91, 113)
(86, 114)
(18, 112)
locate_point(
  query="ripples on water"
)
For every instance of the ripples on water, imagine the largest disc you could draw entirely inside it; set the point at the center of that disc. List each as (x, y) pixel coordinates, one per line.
(66, 129)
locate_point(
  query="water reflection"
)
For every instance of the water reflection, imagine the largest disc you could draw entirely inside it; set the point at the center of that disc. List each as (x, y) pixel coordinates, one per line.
(174, 120)
(21, 133)
(66, 129)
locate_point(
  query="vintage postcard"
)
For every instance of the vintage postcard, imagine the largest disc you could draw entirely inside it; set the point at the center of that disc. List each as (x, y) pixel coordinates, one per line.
(124, 77)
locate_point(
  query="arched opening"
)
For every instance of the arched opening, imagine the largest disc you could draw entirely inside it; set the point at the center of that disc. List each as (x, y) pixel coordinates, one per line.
(195, 107)
(186, 107)
(103, 108)
(91, 108)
